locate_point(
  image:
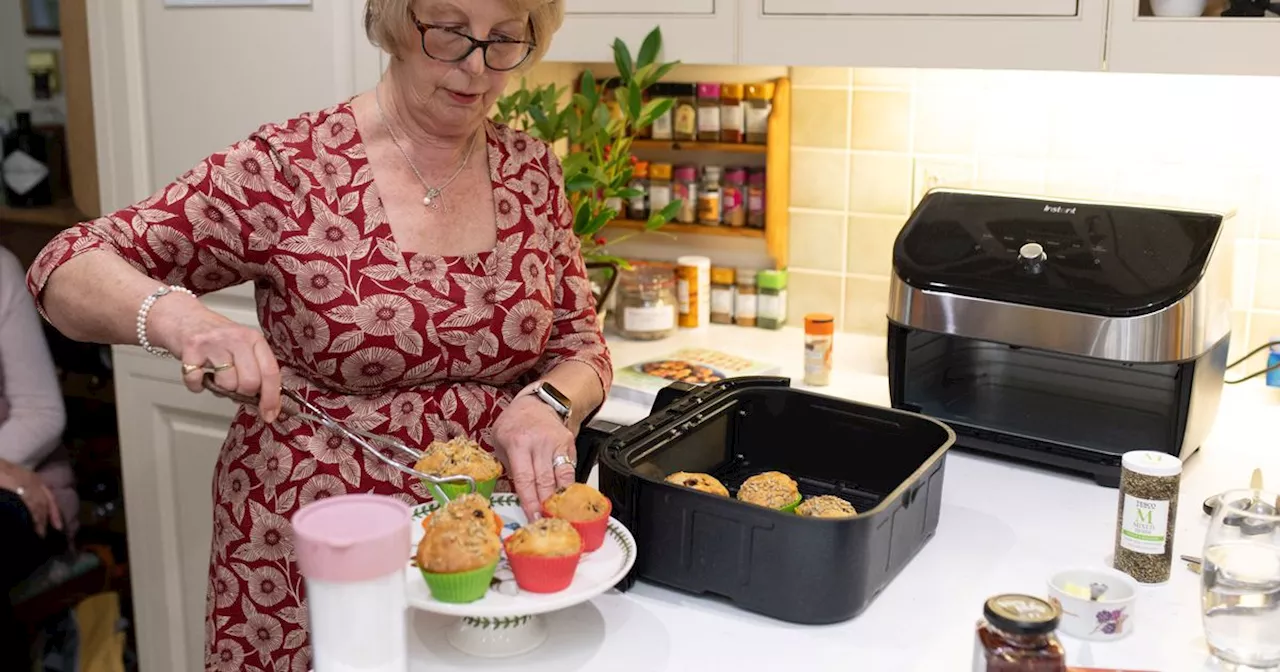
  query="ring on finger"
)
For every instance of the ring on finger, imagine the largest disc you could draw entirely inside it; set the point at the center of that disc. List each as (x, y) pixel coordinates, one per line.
(562, 459)
(218, 368)
(188, 369)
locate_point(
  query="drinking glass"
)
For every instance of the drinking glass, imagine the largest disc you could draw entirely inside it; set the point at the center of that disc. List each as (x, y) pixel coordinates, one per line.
(1240, 580)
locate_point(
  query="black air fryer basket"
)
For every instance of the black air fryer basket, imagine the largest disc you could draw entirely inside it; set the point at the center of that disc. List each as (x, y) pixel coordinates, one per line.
(887, 463)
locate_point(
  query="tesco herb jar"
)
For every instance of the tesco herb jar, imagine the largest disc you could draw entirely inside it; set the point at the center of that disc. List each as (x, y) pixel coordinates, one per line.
(1146, 514)
(647, 306)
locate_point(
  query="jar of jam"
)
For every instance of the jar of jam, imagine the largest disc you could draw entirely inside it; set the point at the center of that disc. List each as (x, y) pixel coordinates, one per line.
(1016, 635)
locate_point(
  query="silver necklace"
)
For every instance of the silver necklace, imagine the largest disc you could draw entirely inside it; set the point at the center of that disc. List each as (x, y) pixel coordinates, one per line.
(432, 197)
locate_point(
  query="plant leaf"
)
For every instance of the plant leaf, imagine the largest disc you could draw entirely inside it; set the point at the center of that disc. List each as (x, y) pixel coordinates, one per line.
(652, 110)
(650, 47)
(622, 59)
(581, 218)
(589, 90)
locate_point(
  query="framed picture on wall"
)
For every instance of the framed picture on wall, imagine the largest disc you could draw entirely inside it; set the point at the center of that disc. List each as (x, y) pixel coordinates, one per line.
(40, 17)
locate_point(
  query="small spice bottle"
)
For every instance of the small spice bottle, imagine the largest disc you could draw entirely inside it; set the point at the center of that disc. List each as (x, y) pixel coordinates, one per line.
(659, 186)
(758, 107)
(722, 281)
(732, 113)
(685, 116)
(755, 198)
(745, 298)
(684, 188)
(733, 197)
(709, 196)
(693, 290)
(772, 303)
(638, 208)
(662, 128)
(709, 112)
(1146, 514)
(1016, 635)
(819, 336)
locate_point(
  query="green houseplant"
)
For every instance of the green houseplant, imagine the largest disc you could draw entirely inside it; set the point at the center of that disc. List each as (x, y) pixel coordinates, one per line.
(598, 123)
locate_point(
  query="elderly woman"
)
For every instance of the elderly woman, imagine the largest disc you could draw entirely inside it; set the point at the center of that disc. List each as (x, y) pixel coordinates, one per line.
(416, 274)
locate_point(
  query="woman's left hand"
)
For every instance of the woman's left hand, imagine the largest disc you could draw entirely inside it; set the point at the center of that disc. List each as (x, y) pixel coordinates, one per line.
(35, 495)
(529, 436)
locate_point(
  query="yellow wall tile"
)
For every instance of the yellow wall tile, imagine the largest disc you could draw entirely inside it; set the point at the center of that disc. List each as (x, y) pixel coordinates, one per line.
(1266, 288)
(871, 243)
(882, 120)
(866, 303)
(812, 293)
(808, 76)
(1239, 335)
(820, 118)
(945, 119)
(818, 180)
(1264, 327)
(879, 183)
(901, 78)
(817, 241)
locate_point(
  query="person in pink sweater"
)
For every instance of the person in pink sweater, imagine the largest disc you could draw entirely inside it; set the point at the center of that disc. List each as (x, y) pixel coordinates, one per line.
(37, 493)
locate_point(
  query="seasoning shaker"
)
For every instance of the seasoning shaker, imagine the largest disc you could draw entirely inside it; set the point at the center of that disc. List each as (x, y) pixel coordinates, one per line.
(757, 109)
(351, 550)
(662, 127)
(1146, 514)
(733, 201)
(638, 207)
(685, 115)
(722, 281)
(771, 312)
(819, 336)
(1016, 634)
(693, 291)
(756, 198)
(709, 196)
(745, 298)
(659, 186)
(732, 113)
(709, 111)
(684, 188)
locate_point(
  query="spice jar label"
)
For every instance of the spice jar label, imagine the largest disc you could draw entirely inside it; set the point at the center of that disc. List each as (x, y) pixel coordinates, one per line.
(1144, 525)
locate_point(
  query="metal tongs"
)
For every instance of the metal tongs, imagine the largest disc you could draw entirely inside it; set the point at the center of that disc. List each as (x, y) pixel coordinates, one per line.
(306, 410)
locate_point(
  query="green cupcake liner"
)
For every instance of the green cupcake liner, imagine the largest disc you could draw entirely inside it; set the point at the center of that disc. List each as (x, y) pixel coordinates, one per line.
(791, 508)
(452, 491)
(460, 587)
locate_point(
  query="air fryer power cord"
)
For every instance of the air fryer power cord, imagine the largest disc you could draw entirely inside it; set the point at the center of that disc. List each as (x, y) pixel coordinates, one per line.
(1255, 374)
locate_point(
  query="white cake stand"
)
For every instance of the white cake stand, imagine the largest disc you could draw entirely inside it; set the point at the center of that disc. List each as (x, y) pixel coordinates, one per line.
(507, 621)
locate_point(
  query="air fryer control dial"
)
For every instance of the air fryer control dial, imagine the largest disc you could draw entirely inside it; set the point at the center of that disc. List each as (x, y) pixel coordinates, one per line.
(1032, 257)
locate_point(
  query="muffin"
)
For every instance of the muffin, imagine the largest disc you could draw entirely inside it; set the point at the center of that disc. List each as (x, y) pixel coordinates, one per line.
(585, 508)
(458, 457)
(826, 506)
(771, 489)
(700, 482)
(457, 558)
(471, 506)
(544, 555)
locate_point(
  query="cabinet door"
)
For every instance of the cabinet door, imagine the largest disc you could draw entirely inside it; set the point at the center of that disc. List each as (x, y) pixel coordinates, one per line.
(995, 34)
(1208, 45)
(693, 31)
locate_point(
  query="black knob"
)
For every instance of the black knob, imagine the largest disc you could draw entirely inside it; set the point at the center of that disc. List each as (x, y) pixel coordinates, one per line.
(1031, 256)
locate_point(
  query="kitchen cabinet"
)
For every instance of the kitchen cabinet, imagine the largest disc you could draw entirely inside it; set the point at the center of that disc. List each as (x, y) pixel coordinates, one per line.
(1023, 34)
(693, 31)
(1140, 42)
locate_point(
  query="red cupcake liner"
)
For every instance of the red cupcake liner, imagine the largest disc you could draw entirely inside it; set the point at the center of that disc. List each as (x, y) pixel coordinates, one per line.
(591, 531)
(539, 574)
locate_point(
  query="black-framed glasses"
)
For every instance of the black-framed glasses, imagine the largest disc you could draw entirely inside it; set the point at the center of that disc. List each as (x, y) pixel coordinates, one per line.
(450, 45)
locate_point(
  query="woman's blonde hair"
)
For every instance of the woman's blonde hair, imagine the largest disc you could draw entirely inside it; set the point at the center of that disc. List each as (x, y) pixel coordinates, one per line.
(389, 25)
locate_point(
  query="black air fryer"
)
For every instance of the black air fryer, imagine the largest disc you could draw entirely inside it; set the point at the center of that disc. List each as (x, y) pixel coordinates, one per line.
(1059, 334)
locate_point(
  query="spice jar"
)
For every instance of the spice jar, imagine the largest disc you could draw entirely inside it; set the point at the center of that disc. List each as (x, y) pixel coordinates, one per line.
(685, 117)
(755, 198)
(638, 208)
(757, 109)
(709, 196)
(693, 290)
(771, 308)
(663, 126)
(646, 303)
(1016, 635)
(732, 113)
(709, 112)
(733, 197)
(1146, 513)
(722, 280)
(684, 188)
(819, 335)
(659, 186)
(745, 298)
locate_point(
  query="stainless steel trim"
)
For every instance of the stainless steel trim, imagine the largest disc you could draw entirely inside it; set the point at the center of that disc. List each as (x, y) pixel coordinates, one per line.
(1182, 331)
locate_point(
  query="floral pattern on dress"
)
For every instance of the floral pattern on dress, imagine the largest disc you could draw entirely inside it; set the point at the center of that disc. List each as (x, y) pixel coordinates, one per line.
(416, 347)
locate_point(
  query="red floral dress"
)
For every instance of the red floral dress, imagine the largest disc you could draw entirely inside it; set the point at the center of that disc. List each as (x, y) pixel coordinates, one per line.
(412, 346)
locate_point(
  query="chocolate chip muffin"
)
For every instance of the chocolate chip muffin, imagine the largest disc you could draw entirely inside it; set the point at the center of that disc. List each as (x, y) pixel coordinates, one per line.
(471, 507)
(546, 537)
(699, 481)
(826, 506)
(459, 457)
(771, 489)
(577, 502)
(453, 546)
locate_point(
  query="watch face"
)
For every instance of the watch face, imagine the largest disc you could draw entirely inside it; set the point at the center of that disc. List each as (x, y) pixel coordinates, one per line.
(555, 395)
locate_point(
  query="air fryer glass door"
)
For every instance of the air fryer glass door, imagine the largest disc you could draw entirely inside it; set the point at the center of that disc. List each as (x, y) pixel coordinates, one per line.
(1094, 405)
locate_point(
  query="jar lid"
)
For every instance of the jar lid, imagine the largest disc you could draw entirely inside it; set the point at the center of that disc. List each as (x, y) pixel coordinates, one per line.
(694, 260)
(820, 324)
(708, 89)
(1151, 463)
(735, 175)
(721, 275)
(640, 169)
(711, 173)
(678, 89)
(756, 177)
(769, 279)
(760, 91)
(747, 276)
(646, 277)
(731, 90)
(686, 173)
(352, 538)
(660, 171)
(1021, 614)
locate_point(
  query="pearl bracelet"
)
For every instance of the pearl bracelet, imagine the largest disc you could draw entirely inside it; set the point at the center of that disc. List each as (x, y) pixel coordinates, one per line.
(142, 318)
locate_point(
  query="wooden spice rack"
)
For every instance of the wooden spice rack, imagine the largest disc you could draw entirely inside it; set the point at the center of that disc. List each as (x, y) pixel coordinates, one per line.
(777, 163)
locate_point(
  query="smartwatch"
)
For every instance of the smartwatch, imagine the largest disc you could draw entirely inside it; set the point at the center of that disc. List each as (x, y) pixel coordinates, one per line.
(553, 398)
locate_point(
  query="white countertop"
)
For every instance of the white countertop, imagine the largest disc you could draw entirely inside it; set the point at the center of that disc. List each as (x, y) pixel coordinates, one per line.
(1003, 528)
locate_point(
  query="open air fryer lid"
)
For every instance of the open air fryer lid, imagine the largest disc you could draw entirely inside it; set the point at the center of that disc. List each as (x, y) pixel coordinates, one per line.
(1099, 259)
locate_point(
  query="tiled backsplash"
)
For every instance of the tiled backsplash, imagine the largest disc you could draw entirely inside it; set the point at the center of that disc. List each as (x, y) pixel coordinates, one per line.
(868, 143)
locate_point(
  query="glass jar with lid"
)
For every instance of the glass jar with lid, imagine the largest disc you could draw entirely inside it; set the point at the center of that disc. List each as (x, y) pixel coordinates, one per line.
(1016, 634)
(709, 196)
(646, 303)
(759, 105)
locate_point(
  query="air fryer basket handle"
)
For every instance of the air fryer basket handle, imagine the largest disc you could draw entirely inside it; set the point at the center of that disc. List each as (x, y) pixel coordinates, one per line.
(588, 443)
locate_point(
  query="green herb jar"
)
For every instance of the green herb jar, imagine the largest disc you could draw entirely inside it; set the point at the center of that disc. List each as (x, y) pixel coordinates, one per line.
(771, 310)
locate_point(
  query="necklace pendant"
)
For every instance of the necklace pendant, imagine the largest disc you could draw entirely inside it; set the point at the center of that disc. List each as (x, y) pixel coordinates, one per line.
(430, 199)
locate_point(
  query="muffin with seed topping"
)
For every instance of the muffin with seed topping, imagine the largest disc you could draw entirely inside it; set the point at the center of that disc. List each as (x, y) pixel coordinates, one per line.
(586, 508)
(544, 555)
(771, 489)
(700, 482)
(457, 558)
(459, 456)
(471, 506)
(826, 506)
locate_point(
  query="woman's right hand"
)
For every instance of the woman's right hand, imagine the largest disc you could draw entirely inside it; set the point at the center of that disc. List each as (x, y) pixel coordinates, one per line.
(35, 495)
(203, 338)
